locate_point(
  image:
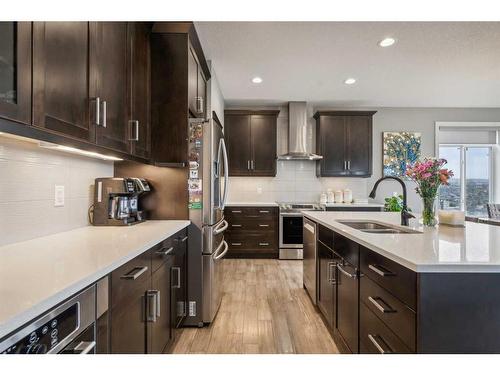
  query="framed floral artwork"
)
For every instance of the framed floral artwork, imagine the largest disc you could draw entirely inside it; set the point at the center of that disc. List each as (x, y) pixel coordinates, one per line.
(401, 150)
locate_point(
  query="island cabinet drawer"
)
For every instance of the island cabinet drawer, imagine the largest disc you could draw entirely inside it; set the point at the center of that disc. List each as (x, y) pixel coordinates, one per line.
(160, 252)
(251, 212)
(325, 235)
(394, 313)
(252, 241)
(133, 275)
(375, 337)
(398, 280)
(260, 224)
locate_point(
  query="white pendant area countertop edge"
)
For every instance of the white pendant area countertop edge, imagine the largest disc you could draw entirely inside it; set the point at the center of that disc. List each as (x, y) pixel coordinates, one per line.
(474, 248)
(38, 274)
(353, 205)
(251, 204)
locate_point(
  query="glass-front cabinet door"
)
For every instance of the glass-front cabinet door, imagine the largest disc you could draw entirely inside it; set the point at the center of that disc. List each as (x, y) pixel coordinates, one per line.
(15, 71)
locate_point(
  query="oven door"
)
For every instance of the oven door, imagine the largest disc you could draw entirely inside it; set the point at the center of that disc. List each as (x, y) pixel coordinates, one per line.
(291, 235)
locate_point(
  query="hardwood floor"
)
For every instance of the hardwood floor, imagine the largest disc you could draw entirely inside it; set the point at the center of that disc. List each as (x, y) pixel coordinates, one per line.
(264, 310)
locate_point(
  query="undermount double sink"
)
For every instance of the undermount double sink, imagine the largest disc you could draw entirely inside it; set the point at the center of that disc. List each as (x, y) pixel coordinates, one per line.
(376, 227)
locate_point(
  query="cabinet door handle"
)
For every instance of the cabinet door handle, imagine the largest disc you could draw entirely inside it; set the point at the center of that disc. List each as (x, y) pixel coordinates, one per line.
(263, 243)
(184, 239)
(379, 306)
(248, 164)
(178, 270)
(97, 111)
(236, 225)
(252, 163)
(380, 270)
(264, 225)
(134, 129)
(134, 275)
(236, 211)
(152, 305)
(331, 272)
(165, 252)
(348, 164)
(345, 165)
(379, 346)
(351, 275)
(235, 243)
(263, 211)
(104, 113)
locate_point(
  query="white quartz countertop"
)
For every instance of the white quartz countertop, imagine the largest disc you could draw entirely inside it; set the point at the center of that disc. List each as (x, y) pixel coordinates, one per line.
(473, 248)
(38, 274)
(354, 205)
(252, 204)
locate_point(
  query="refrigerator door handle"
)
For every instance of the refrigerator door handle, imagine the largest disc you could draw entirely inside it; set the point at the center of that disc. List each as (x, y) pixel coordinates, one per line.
(226, 172)
(221, 227)
(221, 255)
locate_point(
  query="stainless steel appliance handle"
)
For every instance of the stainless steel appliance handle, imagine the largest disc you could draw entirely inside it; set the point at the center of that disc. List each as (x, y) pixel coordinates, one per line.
(221, 227)
(352, 276)
(134, 129)
(104, 113)
(309, 227)
(379, 346)
(216, 252)
(199, 104)
(97, 111)
(379, 306)
(221, 255)
(132, 276)
(378, 270)
(158, 303)
(165, 252)
(226, 173)
(83, 347)
(331, 272)
(178, 270)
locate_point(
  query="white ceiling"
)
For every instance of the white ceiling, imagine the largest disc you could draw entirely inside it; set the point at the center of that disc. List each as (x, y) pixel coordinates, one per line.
(441, 64)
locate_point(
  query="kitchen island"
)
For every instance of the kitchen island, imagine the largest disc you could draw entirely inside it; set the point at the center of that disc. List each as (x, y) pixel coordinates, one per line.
(432, 290)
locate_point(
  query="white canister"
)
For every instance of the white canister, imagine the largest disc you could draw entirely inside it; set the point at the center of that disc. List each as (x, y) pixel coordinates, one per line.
(330, 196)
(339, 197)
(347, 196)
(323, 198)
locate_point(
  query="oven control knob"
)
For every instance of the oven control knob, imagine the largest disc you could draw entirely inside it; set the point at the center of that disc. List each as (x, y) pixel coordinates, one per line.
(35, 349)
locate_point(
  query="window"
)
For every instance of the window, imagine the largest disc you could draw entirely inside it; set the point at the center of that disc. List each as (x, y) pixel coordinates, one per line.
(471, 186)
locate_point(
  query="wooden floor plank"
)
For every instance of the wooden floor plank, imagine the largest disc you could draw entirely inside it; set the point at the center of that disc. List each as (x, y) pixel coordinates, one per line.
(264, 309)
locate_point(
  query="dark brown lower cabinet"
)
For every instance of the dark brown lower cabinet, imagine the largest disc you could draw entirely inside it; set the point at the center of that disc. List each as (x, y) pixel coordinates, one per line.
(327, 274)
(158, 309)
(146, 295)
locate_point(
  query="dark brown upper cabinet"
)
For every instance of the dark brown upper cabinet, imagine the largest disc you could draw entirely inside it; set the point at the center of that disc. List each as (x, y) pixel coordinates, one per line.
(140, 119)
(179, 73)
(15, 71)
(251, 138)
(61, 78)
(109, 62)
(344, 139)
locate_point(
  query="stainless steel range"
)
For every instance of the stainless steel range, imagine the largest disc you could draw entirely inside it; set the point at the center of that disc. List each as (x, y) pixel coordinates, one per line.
(291, 241)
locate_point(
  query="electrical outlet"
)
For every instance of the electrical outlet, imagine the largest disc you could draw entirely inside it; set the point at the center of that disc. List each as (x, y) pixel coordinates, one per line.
(58, 195)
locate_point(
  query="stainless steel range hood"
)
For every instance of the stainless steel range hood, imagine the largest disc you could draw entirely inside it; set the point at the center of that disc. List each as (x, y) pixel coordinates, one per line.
(298, 148)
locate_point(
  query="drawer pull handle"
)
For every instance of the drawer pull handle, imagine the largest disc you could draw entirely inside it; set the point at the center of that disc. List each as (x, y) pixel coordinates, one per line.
(235, 243)
(379, 346)
(184, 239)
(263, 243)
(375, 303)
(236, 211)
(331, 273)
(165, 252)
(263, 225)
(351, 275)
(380, 270)
(263, 211)
(236, 225)
(134, 275)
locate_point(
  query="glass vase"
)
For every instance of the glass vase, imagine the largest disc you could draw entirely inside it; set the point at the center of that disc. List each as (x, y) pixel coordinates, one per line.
(429, 211)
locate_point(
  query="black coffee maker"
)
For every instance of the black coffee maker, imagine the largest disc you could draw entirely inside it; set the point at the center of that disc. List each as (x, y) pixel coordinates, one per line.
(116, 200)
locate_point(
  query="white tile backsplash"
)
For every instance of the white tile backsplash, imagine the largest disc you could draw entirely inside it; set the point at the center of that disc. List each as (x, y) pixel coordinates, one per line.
(28, 175)
(295, 181)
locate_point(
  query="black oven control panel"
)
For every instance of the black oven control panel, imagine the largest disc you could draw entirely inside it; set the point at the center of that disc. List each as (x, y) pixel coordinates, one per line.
(47, 335)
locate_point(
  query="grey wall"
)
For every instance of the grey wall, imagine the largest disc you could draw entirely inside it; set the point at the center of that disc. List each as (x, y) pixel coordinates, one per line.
(420, 120)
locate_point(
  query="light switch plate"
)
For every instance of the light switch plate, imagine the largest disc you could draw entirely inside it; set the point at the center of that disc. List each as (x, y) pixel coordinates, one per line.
(58, 195)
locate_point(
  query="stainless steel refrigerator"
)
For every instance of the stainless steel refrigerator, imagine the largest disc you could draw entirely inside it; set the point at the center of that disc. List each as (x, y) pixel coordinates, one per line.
(207, 188)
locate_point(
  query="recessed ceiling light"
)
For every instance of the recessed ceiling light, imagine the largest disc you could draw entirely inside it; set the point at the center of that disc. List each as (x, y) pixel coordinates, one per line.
(350, 81)
(257, 80)
(387, 42)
